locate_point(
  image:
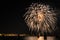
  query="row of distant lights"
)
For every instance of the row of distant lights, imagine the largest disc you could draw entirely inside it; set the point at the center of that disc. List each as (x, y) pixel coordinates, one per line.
(12, 34)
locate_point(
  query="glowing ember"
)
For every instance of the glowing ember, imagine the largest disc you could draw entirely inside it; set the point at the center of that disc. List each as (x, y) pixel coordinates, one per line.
(40, 17)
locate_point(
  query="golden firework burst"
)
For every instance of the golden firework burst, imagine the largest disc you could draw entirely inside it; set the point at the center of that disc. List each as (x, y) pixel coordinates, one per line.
(40, 17)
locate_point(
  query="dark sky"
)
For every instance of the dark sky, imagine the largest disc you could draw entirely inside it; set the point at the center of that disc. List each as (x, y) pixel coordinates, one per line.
(12, 11)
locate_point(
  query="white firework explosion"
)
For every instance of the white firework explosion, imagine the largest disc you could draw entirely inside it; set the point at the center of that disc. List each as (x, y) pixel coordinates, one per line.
(40, 17)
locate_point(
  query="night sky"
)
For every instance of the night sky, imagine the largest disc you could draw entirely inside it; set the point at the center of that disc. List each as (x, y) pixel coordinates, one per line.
(12, 15)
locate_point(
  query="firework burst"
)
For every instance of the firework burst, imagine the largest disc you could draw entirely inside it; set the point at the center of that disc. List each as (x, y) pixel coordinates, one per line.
(41, 18)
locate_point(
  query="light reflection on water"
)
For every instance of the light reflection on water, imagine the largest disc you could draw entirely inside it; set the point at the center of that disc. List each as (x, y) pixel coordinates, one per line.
(40, 38)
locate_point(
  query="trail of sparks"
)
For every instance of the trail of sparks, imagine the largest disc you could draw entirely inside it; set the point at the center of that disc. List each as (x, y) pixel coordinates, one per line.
(41, 18)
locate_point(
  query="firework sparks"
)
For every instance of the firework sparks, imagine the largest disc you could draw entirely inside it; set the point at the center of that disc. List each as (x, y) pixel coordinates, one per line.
(41, 18)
